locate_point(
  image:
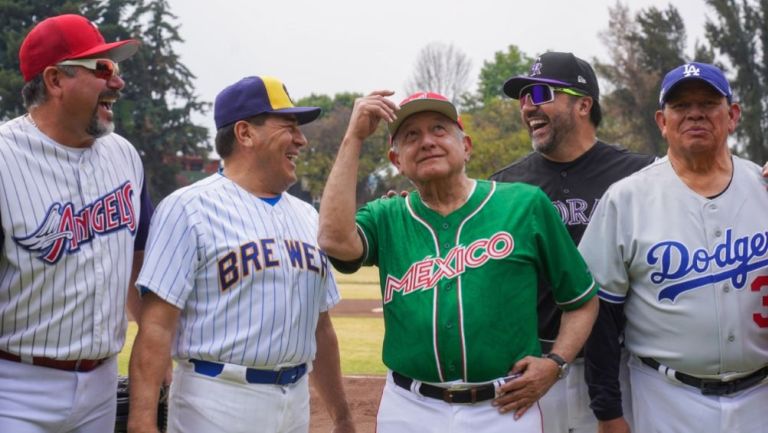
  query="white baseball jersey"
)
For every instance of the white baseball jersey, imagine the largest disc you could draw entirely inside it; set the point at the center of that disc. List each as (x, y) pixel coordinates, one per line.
(69, 219)
(691, 271)
(248, 276)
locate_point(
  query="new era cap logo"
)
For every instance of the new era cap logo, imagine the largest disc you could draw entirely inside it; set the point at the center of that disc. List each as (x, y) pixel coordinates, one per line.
(690, 71)
(581, 80)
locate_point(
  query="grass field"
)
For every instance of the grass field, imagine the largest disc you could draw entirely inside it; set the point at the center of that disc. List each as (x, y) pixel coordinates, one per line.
(359, 337)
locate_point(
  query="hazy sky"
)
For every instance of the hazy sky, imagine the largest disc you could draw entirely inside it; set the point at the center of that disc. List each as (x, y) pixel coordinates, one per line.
(329, 46)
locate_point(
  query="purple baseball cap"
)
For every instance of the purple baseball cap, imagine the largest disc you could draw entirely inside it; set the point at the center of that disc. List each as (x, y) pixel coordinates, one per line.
(252, 96)
(705, 72)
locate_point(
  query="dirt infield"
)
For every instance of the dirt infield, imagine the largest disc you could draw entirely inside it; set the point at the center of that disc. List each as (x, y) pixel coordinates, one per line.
(363, 393)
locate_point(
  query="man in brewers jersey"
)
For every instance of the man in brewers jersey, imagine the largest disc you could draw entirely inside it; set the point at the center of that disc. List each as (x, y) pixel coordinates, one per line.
(235, 286)
(458, 260)
(74, 214)
(560, 106)
(682, 248)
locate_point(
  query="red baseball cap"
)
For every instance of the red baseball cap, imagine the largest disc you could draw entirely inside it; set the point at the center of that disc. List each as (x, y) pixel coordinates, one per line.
(424, 101)
(67, 37)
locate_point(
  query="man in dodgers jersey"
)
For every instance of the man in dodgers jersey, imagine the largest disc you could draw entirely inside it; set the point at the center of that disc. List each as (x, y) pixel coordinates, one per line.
(693, 288)
(236, 287)
(559, 104)
(459, 261)
(74, 213)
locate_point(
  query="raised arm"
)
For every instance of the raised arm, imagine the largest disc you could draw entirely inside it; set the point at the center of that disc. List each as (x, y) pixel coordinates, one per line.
(338, 235)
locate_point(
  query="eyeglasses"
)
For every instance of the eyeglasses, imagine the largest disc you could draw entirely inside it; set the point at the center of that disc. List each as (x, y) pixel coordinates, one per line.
(101, 68)
(543, 93)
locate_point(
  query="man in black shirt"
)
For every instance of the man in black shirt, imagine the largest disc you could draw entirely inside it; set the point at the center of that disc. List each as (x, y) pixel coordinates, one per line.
(559, 104)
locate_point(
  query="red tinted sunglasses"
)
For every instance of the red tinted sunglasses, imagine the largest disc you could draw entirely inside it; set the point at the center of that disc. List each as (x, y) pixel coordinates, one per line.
(101, 68)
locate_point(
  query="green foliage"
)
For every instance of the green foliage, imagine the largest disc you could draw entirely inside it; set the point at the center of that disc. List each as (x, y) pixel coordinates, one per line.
(155, 114)
(324, 136)
(158, 100)
(641, 50)
(17, 17)
(495, 72)
(740, 31)
(498, 137)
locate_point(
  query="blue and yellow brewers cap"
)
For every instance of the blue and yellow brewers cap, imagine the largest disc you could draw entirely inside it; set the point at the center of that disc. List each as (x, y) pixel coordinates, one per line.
(252, 96)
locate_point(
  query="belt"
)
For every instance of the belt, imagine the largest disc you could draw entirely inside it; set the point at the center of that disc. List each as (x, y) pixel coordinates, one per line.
(711, 386)
(81, 365)
(284, 376)
(471, 394)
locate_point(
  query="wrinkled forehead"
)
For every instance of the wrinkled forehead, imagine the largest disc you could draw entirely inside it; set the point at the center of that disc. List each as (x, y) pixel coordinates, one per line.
(424, 118)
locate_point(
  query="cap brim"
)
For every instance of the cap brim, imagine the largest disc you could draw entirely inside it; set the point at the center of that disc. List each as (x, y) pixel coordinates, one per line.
(514, 85)
(417, 106)
(686, 79)
(117, 51)
(303, 114)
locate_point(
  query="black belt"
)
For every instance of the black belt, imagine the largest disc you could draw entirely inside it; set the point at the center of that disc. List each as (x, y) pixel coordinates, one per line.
(472, 394)
(713, 386)
(284, 376)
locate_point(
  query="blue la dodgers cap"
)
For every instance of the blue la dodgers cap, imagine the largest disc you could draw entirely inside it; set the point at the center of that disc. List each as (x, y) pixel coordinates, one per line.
(705, 72)
(252, 96)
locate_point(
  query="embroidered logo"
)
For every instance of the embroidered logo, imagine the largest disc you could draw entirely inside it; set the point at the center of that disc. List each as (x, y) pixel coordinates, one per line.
(733, 260)
(63, 230)
(425, 274)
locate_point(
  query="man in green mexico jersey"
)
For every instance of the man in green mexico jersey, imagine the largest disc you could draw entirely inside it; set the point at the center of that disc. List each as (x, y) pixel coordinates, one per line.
(459, 261)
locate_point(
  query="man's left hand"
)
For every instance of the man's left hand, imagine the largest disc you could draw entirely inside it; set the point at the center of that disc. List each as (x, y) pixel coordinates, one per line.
(518, 395)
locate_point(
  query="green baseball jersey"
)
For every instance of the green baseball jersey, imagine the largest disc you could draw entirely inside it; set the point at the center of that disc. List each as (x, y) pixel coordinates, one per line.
(459, 291)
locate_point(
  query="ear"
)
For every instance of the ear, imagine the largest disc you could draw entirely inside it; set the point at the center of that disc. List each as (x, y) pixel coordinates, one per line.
(244, 134)
(467, 141)
(734, 114)
(394, 158)
(52, 78)
(661, 122)
(585, 106)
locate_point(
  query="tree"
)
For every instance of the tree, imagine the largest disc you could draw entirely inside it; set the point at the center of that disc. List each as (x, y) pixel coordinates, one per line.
(155, 110)
(498, 136)
(16, 19)
(496, 72)
(641, 51)
(159, 96)
(740, 31)
(443, 69)
(324, 136)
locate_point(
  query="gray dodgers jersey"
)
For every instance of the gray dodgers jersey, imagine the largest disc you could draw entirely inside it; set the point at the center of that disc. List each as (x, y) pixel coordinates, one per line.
(691, 271)
(248, 276)
(69, 218)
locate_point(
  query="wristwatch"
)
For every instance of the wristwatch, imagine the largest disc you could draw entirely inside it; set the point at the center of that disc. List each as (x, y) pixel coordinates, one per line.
(561, 364)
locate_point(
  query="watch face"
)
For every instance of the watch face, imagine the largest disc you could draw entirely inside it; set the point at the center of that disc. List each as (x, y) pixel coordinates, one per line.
(564, 370)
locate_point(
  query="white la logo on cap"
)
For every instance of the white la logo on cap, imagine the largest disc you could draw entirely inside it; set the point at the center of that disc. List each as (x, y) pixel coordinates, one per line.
(690, 70)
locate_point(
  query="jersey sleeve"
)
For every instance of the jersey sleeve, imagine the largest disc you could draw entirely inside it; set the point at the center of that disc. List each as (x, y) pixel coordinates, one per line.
(171, 254)
(603, 248)
(563, 266)
(332, 295)
(368, 229)
(145, 215)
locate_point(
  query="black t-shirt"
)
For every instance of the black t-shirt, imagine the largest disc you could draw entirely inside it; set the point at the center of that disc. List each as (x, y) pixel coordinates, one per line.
(575, 188)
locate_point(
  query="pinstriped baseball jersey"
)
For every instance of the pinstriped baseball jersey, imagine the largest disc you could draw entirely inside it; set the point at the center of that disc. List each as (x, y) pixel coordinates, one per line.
(694, 283)
(248, 277)
(69, 222)
(460, 291)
